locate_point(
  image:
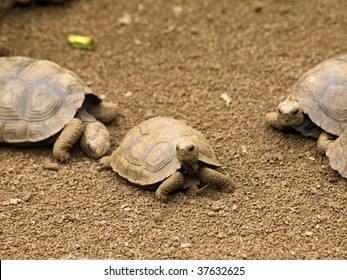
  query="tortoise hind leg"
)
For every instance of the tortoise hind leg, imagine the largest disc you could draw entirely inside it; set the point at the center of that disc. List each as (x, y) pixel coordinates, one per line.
(217, 179)
(337, 152)
(67, 138)
(323, 142)
(174, 182)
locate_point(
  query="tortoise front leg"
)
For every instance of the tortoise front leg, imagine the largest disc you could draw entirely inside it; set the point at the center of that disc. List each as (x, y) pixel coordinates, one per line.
(272, 120)
(174, 182)
(217, 179)
(323, 142)
(67, 138)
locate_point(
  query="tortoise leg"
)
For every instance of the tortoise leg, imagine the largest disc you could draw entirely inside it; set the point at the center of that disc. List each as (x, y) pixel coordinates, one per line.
(67, 138)
(337, 152)
(105, 162)
(174, 182)
(217, 179)
(104, 112)
(323, 142)
(272, 120)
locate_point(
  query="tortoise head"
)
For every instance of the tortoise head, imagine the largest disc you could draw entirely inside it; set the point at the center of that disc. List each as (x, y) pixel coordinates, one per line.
(95, 140)
(289, 113)
(187, 152)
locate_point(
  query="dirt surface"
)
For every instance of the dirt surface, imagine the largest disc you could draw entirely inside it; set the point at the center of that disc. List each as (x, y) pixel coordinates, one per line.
(176, 58)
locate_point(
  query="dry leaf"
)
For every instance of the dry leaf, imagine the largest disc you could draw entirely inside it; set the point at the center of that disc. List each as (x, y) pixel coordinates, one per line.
(81, 42)
(177, 10)
(126, 19)
(226, 98)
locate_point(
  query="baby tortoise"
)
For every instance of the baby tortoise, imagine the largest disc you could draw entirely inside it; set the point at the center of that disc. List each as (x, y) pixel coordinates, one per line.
(169, 152)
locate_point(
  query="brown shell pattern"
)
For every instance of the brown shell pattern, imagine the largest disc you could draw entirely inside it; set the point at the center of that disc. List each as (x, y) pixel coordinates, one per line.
(37, 99)
(147, 153)
(322, 92)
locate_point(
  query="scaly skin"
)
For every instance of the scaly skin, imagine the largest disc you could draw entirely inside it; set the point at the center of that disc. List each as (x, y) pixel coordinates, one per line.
(174, 182)
(323, 142)
(105, 162)
(288, 116)
(217, 179)
(104, 112)
(95, 140)
(188, 154)
(67, 138)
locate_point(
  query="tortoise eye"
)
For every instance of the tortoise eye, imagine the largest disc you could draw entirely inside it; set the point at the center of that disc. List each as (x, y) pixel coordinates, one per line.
(191, 148)
(296, 111)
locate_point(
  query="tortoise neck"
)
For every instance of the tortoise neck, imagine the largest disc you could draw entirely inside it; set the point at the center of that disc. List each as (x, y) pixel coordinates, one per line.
(84, 116)
(189, 168)
(308, 128)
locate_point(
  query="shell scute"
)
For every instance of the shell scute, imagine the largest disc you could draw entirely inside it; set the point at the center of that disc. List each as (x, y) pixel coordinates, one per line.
(37, 99)
(322, 92)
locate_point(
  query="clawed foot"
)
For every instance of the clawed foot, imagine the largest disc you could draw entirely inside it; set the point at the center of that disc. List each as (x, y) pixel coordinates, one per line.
(61, 156)
(193, 190)
(105, 162)
(227, 189)
(160, 195)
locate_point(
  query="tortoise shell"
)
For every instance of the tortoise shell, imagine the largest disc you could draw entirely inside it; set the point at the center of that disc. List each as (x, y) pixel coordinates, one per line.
(37, 99)
(147, 153)
(322, 93)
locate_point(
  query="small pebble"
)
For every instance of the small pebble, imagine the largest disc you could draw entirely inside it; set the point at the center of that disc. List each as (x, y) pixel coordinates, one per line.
(15, 201)
(308, 233)
(211, 213)
(186, 245)
(49, 165)
(216, 207)
(128, 94)
(27, 197)
(158, 217)
(126, 208)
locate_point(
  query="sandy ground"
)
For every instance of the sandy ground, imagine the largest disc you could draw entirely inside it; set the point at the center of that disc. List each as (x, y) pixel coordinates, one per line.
(176, 58)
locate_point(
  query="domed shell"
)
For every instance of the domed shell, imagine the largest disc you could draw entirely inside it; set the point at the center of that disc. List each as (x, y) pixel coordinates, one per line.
(37, 99)
(147, 153)
(322, 92)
